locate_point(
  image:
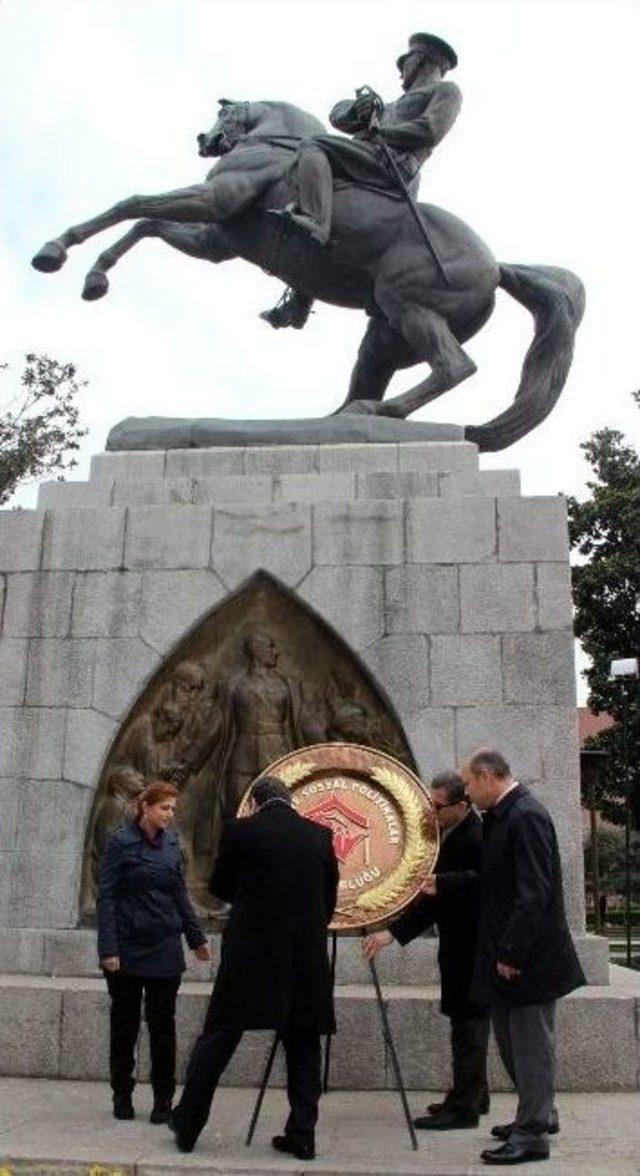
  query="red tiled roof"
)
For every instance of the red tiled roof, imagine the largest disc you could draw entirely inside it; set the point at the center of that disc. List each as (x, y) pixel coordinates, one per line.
(590, 724)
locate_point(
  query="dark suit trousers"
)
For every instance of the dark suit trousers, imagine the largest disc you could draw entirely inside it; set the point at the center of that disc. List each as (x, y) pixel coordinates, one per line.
(211, 1055)
(469, 1043)
(160, 1009)
(525, 1039)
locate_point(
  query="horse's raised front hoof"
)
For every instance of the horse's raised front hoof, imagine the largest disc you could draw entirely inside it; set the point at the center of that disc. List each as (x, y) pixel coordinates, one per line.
(50, 258)
(96, 285)
(368, 408)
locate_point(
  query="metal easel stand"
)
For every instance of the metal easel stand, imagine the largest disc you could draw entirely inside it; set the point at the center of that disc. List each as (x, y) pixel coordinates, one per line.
(387, 1037)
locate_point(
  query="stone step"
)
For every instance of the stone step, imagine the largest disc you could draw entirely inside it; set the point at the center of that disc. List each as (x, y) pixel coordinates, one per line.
(57, 1027)
(422, 457)
(237, 489)
(49, 952)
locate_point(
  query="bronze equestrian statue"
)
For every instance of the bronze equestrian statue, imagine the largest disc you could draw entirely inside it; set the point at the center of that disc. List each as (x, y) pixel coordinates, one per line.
(280, 184)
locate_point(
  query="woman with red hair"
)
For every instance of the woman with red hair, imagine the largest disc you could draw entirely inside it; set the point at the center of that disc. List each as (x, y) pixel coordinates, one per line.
(143, 909)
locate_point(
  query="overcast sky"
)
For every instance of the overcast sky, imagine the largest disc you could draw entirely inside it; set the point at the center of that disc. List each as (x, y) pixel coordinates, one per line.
(104, 98)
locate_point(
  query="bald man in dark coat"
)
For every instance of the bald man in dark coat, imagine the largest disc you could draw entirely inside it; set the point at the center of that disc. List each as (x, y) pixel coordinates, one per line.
(280, 873)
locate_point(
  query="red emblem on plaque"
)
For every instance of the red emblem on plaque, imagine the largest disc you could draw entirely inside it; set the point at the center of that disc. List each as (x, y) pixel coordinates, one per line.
(340, 818)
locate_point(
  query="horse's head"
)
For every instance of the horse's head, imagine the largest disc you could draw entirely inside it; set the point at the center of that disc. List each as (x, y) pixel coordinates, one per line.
(231, 125)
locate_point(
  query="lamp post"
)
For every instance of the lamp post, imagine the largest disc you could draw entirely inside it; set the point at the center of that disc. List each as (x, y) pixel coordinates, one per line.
(624, 671)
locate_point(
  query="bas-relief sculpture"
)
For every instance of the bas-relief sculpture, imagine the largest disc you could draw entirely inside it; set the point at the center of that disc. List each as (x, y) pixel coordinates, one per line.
(336, 218)
(261, 676)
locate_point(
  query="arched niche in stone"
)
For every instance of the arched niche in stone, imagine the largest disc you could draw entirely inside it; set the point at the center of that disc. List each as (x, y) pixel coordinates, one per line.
(261, 675)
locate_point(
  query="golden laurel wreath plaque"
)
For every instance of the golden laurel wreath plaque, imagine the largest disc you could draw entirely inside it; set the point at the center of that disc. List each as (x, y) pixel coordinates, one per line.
(385, 832)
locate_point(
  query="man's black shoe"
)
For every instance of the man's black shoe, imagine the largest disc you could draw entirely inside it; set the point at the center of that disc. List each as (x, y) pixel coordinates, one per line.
(182, 1143)
(503, 1130)
(294, 1147)
(123, 1107)
(446, 1121)
(161, 1110)
(512, 1153)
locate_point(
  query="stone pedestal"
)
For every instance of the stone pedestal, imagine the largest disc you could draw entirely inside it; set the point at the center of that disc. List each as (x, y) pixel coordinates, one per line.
(451, 589)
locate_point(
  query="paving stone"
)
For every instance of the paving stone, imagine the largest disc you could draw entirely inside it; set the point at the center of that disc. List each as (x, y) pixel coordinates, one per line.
(421, 599)
(107, 604)
(71, 953)
(358, 1020)
(431, 737)
(88, 738)
(281, 459)
(400, 664)
(168, 537)
(173, 602)
(465, 670)
(154, 492)
(60, 672)
(447, 530)
(128, 466)
(30, 1031)
(414, 965)
(9, 810)
(358, 533)
(512, 730)
(358, 458)
(21, 949)
(438, 456)
(204, 463)
(13, 670)
(349, 598)
(20, 540)
(74, 494)
(539, 667)
(553, 588)
(38, 604)
(330, 487)
(480, 484)
(533, 529)
(497, 598)
(557, 730)
(247, 538)
(123, 668)
(386, 485)
(31, 742)
(83, 540)
(84, 1033)
(226, 489)
(417, 1027)
(597, 1045)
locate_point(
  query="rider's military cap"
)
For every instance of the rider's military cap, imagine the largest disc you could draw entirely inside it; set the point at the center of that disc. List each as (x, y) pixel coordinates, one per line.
(427, 44)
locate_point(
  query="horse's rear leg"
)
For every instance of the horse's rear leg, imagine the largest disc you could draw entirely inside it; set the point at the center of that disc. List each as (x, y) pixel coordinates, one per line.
(381, 352)
(201, 241)
(430, 338)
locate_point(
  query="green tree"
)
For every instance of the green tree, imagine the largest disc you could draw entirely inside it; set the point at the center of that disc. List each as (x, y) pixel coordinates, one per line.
(605, 535)
(39, 431)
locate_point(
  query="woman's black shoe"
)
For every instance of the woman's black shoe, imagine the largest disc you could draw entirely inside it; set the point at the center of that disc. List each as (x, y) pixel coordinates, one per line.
(123, 1107)
(161, 1110)
(294, 1147)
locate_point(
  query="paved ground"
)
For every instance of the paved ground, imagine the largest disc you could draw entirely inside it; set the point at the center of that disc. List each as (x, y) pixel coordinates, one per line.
(59, 1128)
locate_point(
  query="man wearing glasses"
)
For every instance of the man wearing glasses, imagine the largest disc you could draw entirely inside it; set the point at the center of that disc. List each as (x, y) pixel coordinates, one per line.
(451, 901)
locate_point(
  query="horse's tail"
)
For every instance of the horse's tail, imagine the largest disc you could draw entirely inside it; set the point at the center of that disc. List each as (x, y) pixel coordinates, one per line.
(556, 299)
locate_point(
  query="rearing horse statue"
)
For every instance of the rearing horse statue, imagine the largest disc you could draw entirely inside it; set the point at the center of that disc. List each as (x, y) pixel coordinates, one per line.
(376, 261)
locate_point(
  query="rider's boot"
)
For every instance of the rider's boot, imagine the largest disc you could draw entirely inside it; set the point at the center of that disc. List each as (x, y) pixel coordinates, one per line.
(292, 310)
(313, 181)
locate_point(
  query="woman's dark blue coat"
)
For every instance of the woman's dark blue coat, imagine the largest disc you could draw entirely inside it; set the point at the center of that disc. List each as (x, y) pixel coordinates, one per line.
(143, 906)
